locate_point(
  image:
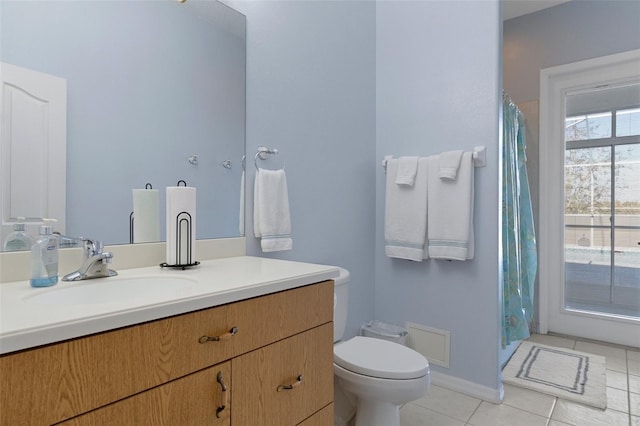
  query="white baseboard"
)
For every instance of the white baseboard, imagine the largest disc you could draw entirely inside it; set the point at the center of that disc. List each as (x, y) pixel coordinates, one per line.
(466, 387)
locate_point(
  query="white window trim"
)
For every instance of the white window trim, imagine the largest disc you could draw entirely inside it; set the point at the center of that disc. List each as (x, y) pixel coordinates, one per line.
(555, 82)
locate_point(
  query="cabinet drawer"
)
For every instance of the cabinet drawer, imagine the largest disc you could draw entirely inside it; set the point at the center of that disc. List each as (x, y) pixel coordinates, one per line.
(56, 382)
(196, 399)
(258, 377)
(323, 417)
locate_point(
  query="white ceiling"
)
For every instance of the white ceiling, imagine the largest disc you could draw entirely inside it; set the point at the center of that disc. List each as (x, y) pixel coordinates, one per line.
(514, 8)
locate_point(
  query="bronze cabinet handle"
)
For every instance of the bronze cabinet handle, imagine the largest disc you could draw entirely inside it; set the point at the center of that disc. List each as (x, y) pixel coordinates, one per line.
(291, 386)
(225, 336)
(225, 395)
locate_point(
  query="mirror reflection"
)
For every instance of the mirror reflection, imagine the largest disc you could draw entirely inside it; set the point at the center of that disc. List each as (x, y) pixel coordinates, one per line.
(155, 94)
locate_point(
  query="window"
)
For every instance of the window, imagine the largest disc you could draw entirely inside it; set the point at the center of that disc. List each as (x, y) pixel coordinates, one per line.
(628, 122)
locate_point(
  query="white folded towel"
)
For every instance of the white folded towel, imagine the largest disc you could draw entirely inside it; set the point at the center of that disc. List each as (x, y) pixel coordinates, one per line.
(449, 163)
(450, 208)
(241, 213)
(405, 230)
(407, 169)
(271, 216)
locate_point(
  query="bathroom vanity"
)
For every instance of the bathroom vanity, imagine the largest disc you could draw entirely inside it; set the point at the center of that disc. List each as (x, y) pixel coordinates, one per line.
(248, 342)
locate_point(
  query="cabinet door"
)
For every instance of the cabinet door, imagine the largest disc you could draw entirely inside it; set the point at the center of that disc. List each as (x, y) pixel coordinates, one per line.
(284, 383)
(202, 398)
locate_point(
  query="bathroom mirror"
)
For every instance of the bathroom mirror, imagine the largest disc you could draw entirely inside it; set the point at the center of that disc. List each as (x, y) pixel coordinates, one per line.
(155, 94)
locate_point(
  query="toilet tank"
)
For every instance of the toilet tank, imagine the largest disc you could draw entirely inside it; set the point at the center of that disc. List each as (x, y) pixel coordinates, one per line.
(340, 303)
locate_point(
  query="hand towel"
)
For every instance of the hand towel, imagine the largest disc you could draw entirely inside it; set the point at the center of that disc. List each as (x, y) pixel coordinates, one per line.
(181, 225)
(450, 208)
(405, 230)
(271, 216)
(407, 169)
(146, 215)
(241, 214)
(449, 163)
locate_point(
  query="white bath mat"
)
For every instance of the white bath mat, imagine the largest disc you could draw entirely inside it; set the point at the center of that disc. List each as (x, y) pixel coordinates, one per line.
(572, 375)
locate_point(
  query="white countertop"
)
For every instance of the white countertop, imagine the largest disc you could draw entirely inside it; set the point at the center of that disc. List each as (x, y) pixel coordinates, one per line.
(28, 318)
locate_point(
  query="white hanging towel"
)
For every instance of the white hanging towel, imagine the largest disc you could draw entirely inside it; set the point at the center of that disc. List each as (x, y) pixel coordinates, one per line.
(407, 169)
(405, 219)
(449, 164)
(450, 210)
(241, 214)
(271, 216)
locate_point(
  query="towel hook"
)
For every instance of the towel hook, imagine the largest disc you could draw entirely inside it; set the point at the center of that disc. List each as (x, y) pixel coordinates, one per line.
(263, 153)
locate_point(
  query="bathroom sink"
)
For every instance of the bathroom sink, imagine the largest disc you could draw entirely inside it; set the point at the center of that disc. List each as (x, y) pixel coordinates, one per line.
(110, 290)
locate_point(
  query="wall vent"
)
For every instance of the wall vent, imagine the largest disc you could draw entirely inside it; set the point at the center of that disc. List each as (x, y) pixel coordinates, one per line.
(434, 344)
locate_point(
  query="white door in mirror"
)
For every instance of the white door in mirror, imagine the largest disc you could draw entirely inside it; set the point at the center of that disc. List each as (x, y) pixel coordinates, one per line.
(33, 148)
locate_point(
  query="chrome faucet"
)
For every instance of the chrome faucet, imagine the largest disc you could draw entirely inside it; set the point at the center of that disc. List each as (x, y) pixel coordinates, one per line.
(95, 263)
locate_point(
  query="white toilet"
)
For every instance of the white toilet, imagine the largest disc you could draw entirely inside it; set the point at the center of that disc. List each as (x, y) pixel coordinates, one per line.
(373, 375)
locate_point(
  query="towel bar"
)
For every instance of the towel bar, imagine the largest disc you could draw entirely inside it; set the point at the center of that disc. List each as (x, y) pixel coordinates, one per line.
(479, 157)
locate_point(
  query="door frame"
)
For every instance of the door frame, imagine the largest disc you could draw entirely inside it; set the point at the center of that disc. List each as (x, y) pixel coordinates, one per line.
(555, 83)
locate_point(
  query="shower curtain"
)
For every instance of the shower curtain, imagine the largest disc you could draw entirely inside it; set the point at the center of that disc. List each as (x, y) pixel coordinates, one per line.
(518, 235)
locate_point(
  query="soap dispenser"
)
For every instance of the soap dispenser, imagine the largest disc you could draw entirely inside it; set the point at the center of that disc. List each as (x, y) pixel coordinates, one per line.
(44, 258)
(18, 240)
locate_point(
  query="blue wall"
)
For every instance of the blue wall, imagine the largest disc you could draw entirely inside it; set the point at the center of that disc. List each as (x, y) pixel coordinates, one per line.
(438, 89)
(311, 94)
(337, 85)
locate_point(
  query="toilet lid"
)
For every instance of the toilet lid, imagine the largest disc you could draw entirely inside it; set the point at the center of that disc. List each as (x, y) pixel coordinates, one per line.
(380, 358)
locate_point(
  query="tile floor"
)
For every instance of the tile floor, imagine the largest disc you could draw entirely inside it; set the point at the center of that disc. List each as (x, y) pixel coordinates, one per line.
(521, 407)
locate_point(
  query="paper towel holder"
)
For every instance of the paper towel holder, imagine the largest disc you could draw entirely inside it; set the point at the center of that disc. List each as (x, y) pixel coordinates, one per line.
(183, 267)
(132, 218)
(131, 228)
(183, 219)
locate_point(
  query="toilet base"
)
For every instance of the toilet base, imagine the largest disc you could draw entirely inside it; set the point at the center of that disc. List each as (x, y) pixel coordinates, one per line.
(376, 413)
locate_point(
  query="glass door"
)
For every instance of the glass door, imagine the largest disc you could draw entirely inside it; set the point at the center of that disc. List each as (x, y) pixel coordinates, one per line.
(602, 202)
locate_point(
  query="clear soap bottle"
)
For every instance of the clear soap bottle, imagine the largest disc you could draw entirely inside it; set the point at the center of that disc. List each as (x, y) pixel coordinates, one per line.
(44, 258)
(18, 240)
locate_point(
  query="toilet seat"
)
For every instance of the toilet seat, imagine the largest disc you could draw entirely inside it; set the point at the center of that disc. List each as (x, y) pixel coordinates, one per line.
(380, 358)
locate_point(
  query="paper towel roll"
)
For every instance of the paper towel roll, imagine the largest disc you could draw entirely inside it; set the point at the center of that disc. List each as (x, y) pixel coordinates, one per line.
(181, 225)
(146, 215)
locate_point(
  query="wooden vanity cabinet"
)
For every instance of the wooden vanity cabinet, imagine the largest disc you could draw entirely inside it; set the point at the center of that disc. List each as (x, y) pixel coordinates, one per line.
(160, 373)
